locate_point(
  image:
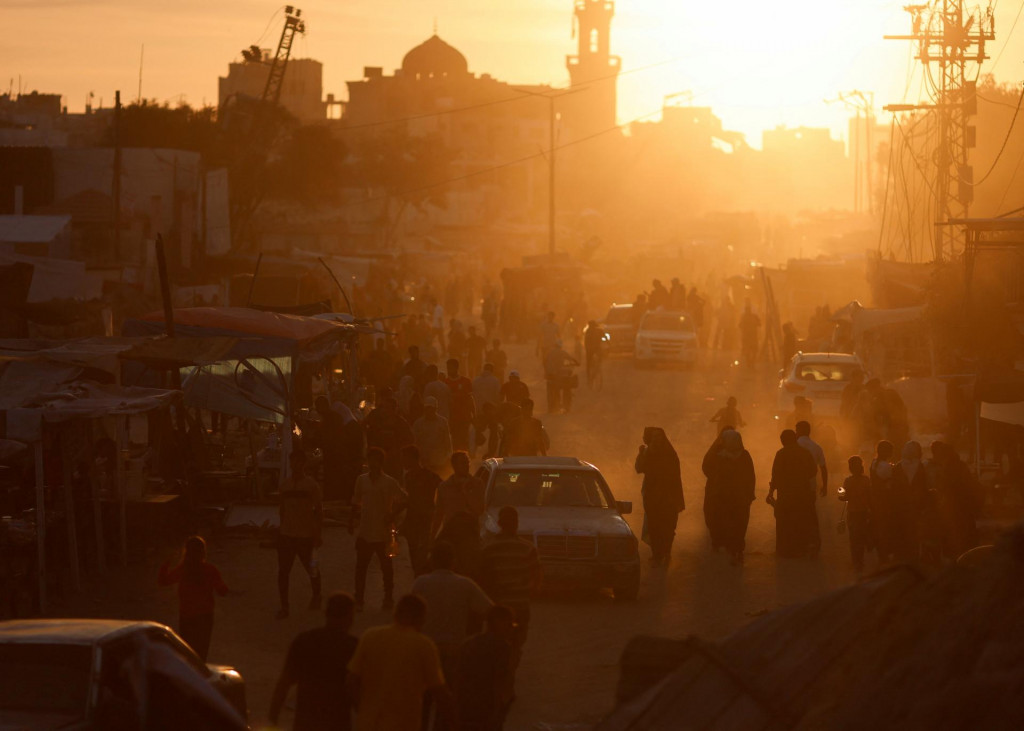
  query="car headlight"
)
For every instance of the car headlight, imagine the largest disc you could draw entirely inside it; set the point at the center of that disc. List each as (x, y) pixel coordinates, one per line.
(617, 548)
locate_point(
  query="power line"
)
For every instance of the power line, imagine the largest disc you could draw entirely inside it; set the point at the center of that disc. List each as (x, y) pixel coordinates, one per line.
(1005, 139)
(1006, 43)
(508, 164)
(494, 102)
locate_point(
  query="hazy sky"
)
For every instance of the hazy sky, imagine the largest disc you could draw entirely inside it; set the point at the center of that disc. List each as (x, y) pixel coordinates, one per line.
(757, 63)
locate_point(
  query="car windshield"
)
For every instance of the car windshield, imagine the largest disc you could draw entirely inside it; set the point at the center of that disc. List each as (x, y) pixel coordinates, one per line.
(667, 321)
(44, 678)
(541, 488)
(619, 316)
(810, 371)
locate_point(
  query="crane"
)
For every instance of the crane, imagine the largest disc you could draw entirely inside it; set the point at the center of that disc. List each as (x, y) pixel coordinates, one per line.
(248, 126)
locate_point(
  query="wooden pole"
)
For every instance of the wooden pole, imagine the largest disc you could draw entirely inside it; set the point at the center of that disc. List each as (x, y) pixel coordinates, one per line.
(116, 192)
(97, 517)
(69, 509)
(122, 487)
(40, 525)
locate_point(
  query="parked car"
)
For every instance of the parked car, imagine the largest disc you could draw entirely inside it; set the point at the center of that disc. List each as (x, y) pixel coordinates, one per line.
(620, 326)
(568, 512)
(820, 377)
(95, 674)
(666, 337)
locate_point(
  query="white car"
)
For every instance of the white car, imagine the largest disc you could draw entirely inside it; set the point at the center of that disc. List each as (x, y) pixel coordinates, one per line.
(84, 674)
(820, 377)
(567, 511)
(668, 337)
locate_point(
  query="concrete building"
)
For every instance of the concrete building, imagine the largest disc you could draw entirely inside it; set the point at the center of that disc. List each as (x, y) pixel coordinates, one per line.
(478, 121)
(301, 91)
(808, 166)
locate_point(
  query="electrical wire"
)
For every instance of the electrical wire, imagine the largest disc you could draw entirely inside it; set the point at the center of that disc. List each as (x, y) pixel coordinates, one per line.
(270, 22)
(508, 164)
(518, 97)
(1006, 139)
(1006, 43)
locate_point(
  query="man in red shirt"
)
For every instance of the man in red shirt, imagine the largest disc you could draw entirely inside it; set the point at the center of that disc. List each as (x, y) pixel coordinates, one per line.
(463, 407)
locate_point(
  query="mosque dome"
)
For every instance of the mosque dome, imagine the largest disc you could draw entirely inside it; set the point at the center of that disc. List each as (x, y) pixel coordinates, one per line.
(434, 58)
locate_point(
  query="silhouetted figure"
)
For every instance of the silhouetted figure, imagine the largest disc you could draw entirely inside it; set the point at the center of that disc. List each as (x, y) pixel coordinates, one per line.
(662, 492)
(910, 492)
(317, 663)
(729, 493)
(788, 343)
(420, 485)
(883, 515)
(388, 431)
(803, 435)
(198, 582)
(957, 503)
(375, 503)
(728, 417)
(856, 493)
(750, 325)
(463, 406)
(301, 529)
(484, 680)
(791, 494)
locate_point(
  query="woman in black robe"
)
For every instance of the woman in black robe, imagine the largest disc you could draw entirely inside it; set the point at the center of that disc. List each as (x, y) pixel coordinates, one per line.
(729, 492)
(792, 472)
(662, 492)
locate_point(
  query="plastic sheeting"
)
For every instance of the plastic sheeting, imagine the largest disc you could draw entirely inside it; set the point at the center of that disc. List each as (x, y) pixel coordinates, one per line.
(255, 388)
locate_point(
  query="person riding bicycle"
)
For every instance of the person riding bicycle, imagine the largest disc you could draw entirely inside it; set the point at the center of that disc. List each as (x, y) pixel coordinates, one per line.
(594, 338)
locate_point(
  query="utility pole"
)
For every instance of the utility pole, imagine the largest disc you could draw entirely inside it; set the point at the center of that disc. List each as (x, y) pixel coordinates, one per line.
(947, 37)
(116, 187)
(552, 119)
(551, 176)
(863, 103)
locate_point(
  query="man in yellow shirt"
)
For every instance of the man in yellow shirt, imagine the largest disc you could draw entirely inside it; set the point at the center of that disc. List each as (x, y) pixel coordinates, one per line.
(393, 667)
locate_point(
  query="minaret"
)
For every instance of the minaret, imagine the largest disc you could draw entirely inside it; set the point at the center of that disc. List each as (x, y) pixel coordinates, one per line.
(594, 67)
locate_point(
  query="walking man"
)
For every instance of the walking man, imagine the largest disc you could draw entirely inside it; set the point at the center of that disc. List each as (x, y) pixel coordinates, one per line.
(374, 503)
(421, 487)
(509, 572)
(803, 438)
(301, 529)
(392, 670)
(317, 663)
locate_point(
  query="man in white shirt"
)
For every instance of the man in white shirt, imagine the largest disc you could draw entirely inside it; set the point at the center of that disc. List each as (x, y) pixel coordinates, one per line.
(803, 433)
(376, 499)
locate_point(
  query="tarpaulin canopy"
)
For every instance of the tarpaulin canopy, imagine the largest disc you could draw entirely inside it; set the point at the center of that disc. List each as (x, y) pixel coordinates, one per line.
(1000, 387)
(22, 381)
(1004, 413)
(246, 321)
(82, 400)
(177, 352)
(99, 353)
(259, 333)
(865, 319)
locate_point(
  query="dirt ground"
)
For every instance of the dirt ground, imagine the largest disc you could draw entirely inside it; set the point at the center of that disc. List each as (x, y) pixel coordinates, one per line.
(569, 671)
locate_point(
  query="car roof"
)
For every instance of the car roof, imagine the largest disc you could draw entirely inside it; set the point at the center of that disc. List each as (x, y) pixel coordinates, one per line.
(826, 357)
(541, 463)
(69, 631)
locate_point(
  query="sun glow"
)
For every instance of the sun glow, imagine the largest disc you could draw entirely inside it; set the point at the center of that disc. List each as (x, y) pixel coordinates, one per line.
(760, 64)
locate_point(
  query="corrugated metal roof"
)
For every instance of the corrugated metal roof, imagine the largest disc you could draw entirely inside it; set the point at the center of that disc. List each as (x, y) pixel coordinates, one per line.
(31, 229)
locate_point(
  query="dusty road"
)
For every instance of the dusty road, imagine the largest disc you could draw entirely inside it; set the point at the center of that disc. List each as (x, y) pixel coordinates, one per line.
(569, 670)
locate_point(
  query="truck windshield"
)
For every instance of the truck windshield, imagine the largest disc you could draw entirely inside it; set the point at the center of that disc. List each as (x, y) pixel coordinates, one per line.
(667, 321)
(540, 488)
(44, 678)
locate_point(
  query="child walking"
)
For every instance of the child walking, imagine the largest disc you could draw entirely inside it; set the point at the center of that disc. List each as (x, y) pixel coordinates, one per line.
(855, 492)
(197, 582)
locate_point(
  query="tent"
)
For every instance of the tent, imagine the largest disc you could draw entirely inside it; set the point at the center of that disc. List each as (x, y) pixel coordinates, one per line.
(896, 651)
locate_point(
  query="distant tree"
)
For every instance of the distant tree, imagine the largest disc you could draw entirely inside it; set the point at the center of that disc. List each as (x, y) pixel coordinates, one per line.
(308, 166)
(151, 124)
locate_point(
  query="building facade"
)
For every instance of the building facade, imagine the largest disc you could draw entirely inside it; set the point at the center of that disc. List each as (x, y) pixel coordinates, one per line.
(302, 91)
